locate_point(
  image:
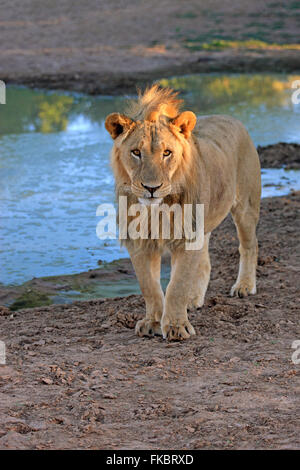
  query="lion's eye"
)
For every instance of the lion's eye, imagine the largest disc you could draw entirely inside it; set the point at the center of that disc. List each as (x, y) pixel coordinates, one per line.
(136, 153)
(167, 153)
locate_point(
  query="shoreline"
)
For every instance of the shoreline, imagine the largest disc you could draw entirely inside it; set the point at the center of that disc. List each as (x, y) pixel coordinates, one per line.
(123, 81)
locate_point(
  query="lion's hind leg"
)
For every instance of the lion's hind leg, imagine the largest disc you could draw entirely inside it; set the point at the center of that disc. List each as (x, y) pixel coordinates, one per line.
(245, 216)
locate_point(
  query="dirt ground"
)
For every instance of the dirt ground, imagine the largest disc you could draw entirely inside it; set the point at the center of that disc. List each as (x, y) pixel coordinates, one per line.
(110, 47)
(77, 377)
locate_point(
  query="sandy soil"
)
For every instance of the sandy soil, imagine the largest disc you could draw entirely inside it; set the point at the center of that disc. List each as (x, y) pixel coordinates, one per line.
(110, 47)
(78, 377)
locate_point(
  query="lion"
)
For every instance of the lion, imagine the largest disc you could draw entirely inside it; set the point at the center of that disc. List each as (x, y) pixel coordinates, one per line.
(163, 154)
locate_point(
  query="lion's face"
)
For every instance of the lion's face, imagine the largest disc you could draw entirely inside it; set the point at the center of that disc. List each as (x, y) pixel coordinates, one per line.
(150, 152)
(150, 156)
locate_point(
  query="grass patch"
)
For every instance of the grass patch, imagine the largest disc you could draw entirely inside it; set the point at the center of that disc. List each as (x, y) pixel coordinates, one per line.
(254, 24)
(293, 5)
(260, 35)
(186, 15)
(275, 4)
(31, 299)
(249, 44)
(278, 25)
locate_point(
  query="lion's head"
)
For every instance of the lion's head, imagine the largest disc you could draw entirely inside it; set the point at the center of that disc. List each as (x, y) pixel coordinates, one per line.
(151, 145)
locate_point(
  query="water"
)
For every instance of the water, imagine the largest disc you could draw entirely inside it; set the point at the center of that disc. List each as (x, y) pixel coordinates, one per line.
(54, 165)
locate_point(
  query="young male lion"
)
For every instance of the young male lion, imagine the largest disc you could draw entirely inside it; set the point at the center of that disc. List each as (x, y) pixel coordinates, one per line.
(160, 154)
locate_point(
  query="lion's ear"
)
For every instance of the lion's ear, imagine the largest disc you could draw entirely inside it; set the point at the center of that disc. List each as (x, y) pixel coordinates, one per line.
(116, 124)
(186, 122)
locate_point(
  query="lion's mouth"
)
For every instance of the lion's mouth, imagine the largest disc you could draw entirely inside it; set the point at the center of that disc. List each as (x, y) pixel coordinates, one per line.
(150, 200)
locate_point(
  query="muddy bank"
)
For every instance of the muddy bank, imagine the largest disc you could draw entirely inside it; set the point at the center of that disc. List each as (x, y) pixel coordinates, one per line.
(78, 377)
(280, 155)
(114, 82)
(94, 283)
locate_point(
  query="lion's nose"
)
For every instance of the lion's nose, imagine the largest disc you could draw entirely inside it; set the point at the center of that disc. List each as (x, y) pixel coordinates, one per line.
(151, 189)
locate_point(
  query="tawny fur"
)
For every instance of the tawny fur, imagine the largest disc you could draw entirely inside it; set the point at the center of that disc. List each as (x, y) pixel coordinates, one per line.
(154, 102)
(213, 162)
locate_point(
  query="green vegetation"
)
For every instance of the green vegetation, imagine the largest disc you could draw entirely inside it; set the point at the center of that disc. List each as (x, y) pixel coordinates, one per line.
(31, 299)
(186, 15)
(250, 44)
(294, 5)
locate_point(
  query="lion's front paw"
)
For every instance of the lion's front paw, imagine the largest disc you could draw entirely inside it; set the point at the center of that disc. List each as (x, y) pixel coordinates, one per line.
(243, 288)
(177, 330)
(196, 302)
(146, 327)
